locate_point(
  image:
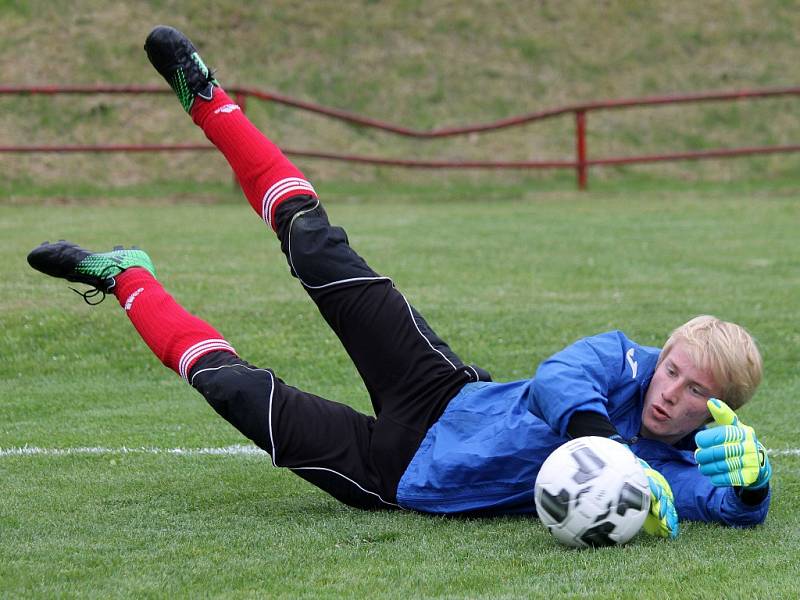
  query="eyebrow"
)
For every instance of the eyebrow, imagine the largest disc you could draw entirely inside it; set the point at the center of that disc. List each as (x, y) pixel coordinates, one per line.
(671, 363)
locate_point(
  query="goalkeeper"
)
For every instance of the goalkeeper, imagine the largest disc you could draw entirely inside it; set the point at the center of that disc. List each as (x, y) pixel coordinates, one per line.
(444, 438)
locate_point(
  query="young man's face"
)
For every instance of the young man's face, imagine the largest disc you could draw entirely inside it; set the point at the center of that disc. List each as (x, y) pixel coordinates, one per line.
(675, 402)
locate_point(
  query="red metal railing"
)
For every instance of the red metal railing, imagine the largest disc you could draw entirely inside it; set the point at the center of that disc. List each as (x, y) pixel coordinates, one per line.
(580, 164)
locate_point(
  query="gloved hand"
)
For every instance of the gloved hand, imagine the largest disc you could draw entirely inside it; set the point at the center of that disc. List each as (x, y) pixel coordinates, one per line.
(728, 451)
(663, 518)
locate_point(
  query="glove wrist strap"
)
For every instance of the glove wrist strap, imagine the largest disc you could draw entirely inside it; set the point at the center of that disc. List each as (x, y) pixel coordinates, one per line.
(586, 422)
(752, 496)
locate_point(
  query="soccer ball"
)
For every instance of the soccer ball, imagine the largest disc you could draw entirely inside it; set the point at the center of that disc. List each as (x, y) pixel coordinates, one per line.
(592, 491)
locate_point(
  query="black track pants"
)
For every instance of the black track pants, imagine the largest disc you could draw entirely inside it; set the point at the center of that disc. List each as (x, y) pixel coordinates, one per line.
(410, 373)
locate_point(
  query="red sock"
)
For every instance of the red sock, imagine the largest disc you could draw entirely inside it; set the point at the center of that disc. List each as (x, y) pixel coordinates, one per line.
(267, 177)
(175, 336)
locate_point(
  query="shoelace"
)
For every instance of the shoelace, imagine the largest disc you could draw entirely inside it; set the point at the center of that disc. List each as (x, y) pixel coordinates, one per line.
(92, 293)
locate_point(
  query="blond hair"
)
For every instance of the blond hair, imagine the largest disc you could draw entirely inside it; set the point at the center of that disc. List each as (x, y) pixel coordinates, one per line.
(724, 348)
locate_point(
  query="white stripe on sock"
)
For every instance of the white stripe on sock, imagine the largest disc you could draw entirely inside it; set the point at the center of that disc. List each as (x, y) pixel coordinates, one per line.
(281, 189)
(196, 351)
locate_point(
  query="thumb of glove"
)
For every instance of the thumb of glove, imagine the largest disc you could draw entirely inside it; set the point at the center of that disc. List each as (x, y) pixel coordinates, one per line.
(722, 413)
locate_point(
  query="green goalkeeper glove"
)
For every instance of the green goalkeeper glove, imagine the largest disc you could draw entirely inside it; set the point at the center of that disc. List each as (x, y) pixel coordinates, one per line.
(728, 451)
(663, 518)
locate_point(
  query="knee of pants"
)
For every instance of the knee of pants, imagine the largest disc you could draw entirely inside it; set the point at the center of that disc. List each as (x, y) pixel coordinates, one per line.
(319, 253)
(286, 211)
(241, 395)
(316, 248)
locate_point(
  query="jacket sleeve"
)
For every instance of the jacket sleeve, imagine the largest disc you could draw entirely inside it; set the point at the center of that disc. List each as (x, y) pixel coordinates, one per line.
(580, 378)
(696, 499)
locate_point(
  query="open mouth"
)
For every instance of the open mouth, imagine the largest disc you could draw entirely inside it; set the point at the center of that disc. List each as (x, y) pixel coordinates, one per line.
(659, 413)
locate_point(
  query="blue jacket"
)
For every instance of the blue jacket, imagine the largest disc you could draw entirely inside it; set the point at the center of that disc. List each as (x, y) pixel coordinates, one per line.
(485, 451)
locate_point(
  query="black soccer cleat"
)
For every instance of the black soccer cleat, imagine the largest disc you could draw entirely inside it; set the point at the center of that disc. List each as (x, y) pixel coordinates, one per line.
(177, 60)
(71, 262)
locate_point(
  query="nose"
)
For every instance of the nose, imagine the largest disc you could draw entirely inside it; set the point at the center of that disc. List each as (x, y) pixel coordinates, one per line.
(671, 392)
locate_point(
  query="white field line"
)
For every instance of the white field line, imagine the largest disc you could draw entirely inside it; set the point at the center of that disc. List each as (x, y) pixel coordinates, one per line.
(236, 450)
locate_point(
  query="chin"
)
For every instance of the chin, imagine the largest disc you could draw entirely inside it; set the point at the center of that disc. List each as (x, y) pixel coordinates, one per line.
(656, 432)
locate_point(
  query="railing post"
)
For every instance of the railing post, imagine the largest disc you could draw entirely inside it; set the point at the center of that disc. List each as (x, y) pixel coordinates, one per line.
(240, 98)
(580, 148)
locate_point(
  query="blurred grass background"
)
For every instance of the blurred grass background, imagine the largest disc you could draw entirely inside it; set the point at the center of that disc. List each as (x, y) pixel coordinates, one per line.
(420, 64)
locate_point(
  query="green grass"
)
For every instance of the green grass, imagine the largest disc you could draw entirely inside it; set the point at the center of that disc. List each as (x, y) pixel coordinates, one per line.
(417, 64)
(507, 273)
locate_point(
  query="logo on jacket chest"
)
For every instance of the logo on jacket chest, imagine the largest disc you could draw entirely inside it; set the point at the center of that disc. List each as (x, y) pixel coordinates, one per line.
(633, 364)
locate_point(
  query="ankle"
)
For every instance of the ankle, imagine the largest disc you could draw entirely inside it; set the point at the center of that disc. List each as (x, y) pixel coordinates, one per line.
(129, 280)
(220, 102)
